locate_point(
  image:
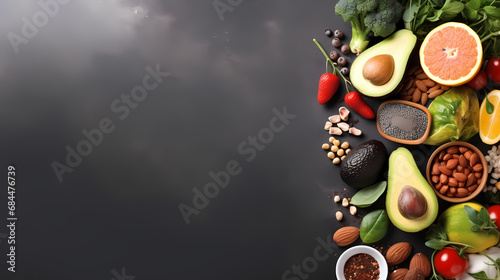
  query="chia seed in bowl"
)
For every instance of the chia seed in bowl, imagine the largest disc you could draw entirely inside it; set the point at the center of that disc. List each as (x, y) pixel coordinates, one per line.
(403, 121)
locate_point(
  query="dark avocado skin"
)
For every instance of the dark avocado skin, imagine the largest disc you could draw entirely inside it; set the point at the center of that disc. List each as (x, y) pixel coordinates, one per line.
(363, 166)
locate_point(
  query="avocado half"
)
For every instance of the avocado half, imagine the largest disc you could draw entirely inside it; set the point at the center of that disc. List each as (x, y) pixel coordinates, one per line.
(400, 46)
(403, 171)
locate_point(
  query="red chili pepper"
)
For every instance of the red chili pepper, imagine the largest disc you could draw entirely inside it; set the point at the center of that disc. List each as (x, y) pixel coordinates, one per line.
(328, 86)
(356, 102)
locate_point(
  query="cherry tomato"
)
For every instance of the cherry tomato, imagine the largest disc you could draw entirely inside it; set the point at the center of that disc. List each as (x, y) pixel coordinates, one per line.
(493, 69)
(495, 214)
(479, 81)
(449, 264)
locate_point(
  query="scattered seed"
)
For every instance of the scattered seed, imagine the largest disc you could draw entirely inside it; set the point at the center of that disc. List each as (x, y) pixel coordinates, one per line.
(328, 125)
(330, 155)
(342, 157)
(344, 126)
(345, 49)
(336, 199)
(340, 152)
(339, 216)
(336, 160)
(344, 145)
(334, 118)
(328, 32)
(335, 131)
(353, 210)
(342, 61)
(334, 148)
(336, 143)
(347, 151)
(331, 139)
(325, 146)
(345, 202)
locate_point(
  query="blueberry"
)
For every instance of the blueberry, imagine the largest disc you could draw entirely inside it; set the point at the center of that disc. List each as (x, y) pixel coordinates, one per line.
(345, 48)
(344, 71)
(342, 61)
(336, 42)
(328, 32)
(334, 56)
(338, 34)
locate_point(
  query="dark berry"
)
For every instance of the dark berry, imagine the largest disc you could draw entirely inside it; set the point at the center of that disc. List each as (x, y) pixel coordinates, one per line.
(344, 71)
(338, 34)
(345, 49)
(336, 42)
(342, 61)
(328, 32)
(334, 56)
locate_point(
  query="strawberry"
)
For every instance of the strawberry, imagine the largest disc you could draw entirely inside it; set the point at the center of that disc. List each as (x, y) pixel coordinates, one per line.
(328, 85)
(356, 102)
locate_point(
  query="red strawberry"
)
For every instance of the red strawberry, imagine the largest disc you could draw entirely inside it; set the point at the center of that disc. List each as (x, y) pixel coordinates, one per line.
(356, 102)
(328, 85)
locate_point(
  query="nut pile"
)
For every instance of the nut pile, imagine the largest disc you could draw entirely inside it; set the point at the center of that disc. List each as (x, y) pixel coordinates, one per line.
(337, 59)
(493, 159)
(419, 88)
(457, 171)
(337, 152)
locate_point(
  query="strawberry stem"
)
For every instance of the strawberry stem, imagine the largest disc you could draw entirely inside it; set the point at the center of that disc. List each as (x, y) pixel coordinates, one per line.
(335, 68)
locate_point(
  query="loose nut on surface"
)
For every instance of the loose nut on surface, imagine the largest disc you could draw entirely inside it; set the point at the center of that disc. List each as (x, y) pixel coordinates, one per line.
(331, 139)
(330, 155)
(335, 131)
(336, 199)
(344, 145)
(353, 210)
(336, 160)
(344, 113)
(355, 131)
(334, 119)
(344, 126)
(336, 143)
(339, 216)
(328, 125)
(334, 148)
(345, 202)
(325, 146)
(347, 151)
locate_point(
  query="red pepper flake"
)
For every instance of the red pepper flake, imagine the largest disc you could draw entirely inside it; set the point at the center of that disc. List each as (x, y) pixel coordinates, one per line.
(361, 267)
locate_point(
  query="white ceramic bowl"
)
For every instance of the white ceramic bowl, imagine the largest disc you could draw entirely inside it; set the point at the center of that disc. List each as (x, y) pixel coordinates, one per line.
(339, 270)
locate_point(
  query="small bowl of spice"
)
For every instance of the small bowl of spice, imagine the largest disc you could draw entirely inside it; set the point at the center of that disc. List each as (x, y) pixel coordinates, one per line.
(403, 121)
(457, 171)
(361, 263)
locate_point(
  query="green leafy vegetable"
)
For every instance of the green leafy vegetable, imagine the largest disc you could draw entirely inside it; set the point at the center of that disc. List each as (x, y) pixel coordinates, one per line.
(455, 116)
(374, 226)
(480, 221)
(481, 275)
(369, 17)
(367, 196)
(489, 106)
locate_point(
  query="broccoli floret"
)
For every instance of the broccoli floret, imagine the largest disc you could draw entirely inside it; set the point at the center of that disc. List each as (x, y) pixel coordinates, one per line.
(369, 17)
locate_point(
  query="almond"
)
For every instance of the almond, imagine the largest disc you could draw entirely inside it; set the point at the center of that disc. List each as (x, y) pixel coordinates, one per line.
(398, 274)
(414, 274)
(452, 163)
(397, 253)
(421, 261)
(461, 177)
(473, 159)
(346, 235)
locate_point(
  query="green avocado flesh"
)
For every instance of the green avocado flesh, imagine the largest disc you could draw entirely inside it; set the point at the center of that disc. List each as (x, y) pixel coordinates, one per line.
(404, 172)
(399, 45)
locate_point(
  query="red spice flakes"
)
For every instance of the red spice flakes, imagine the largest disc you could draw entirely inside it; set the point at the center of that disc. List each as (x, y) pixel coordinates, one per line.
(361, 267)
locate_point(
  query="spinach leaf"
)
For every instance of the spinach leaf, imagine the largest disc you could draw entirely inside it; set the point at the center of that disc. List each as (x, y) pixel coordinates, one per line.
(480, 221)
(436, 231)
(481, 275)
(374, 226)
(367, 196)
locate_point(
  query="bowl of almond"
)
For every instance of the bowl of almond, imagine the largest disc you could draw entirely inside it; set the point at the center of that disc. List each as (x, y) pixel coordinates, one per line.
(457, 171)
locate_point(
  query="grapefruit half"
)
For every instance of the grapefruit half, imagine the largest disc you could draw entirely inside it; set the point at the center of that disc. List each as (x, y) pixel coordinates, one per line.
(451, 54)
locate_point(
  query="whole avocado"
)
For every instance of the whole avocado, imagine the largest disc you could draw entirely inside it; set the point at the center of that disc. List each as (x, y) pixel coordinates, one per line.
(364, 164)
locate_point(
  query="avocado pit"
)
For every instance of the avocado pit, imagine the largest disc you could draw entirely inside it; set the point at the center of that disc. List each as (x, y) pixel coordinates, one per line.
(411, 203)
(378, 70)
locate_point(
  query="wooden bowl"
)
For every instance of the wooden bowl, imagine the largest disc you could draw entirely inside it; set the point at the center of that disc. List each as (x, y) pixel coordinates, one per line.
(482, 160)
(403, 141)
